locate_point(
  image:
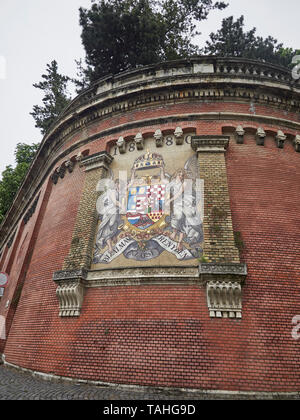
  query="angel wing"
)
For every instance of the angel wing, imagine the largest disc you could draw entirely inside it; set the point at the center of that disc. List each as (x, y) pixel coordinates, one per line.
(103, 185)
(192, 167)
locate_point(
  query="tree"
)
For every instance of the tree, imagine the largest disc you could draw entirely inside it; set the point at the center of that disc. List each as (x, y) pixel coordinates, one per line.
(12, 178)
(233, 41)
(56, 97)
(122, 34)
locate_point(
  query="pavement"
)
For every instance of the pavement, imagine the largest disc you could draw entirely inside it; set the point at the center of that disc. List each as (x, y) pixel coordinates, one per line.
(18, 385)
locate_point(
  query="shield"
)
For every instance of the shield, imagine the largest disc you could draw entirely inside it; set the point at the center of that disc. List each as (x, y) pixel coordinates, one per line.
(145, 205)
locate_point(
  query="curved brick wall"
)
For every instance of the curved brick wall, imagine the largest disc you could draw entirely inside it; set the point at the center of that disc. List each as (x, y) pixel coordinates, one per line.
(162, 334)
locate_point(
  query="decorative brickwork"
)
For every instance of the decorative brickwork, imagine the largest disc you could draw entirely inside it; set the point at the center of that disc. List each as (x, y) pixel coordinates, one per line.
(219, 245)
(82, 242)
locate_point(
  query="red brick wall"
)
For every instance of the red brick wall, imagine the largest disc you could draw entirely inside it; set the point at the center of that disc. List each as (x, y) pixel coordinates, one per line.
(209, 127)
(162, 335)
(18, 258)
(264, 191)
(46, 256)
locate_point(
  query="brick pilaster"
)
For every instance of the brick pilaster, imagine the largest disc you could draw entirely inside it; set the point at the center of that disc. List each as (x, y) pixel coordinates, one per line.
(80, 254)
(219, 244)
(70, 280)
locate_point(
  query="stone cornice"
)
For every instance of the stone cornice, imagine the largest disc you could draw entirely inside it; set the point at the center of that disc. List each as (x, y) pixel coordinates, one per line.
(228, 68)
(98, 160)
(210, 144)
(184, 92)
(69, 275)
(186, 275)
(209, 270)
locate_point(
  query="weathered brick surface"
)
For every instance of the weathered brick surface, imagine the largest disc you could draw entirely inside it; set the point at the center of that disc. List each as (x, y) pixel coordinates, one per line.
(17, 261)
(219, 245)
(86, 223)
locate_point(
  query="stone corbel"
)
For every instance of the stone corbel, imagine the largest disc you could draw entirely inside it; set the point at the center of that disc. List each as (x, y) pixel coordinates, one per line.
(121, 145)
(239, 135)
(61, 171)
(178, 136)
(79, 157)
(70, 291)
(70, 166)
(297, 143)
(54, 177)
(158, 138)
(280, 139)
(260, 137)
(139, 141)
(31, 211)
(98, 160)
(223, 284)
(210, 144)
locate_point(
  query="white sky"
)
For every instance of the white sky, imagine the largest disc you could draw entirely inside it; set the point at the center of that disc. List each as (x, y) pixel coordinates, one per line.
(35, 32)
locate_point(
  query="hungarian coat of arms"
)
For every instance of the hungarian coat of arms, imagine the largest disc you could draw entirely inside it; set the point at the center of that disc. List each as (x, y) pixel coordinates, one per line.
(152, 213)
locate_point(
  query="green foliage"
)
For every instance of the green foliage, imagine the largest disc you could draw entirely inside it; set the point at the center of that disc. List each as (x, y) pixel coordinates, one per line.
(119, 35)
(12, 178)
(203, 260)
(56, 98)
(233, 41)
(218, 214)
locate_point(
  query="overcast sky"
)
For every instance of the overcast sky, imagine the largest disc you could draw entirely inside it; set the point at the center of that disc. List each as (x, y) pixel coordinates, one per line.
(34, 32)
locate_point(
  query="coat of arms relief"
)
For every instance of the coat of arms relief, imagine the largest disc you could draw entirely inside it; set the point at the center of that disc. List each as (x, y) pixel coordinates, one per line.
(154, 211)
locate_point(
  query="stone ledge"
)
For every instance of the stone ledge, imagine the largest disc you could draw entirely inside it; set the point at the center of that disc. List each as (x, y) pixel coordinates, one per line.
(210, 144)
(65, 275)
(98, 160)
(143, 276)
(206, 269)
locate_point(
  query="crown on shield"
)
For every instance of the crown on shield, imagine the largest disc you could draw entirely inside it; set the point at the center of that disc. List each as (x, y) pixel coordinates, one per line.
(148, 161)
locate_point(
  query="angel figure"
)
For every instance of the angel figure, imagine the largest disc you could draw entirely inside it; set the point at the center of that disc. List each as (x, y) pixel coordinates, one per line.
(111, 223)
(186, 223)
